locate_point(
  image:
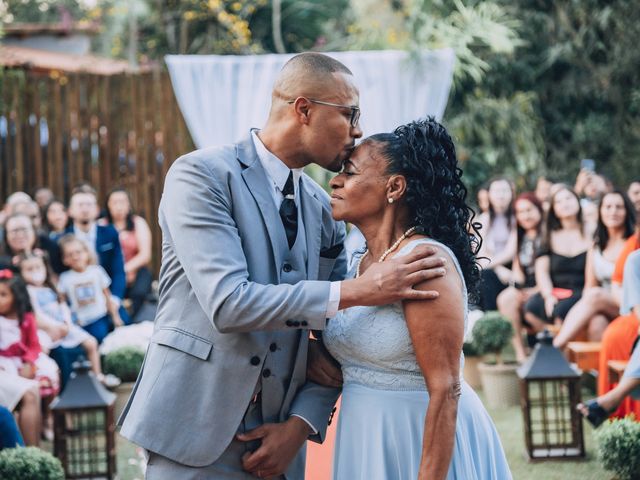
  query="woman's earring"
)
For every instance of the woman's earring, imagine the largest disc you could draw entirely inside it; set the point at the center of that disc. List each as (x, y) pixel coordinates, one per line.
(390, 200)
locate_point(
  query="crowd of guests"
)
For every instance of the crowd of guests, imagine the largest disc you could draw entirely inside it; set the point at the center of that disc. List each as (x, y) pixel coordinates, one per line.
(555, 259)
(69, 275)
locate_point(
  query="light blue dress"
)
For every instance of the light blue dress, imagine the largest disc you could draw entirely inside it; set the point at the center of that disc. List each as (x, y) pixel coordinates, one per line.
(385, 400)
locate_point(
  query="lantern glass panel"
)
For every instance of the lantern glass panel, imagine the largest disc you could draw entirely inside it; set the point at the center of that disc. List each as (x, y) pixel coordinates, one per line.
(553, 419)
(86, 442)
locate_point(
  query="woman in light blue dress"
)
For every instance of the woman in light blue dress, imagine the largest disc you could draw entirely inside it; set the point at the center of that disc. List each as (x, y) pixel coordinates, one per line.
(406, 412)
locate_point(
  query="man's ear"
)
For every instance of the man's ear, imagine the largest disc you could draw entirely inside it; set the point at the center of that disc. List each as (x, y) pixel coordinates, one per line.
(301, 107)
(396, 187)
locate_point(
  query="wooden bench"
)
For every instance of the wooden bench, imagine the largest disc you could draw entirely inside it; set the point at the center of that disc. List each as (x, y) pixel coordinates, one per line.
(616, 369)
(584, 354)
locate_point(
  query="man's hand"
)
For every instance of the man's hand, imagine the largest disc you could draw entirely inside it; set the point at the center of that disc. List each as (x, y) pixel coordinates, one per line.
(393, 280)
(322, 368)
(280, 442)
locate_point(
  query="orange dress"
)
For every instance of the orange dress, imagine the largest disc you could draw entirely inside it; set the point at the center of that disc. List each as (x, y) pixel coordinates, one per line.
(618, 338)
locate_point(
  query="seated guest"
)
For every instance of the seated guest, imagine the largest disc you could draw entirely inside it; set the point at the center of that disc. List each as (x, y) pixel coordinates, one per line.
(13, 199)
(543, 191)
(20, 236)
(43, 196)
(31, 210)
(135, 240)
(55, 219)
(86, 288)
(598, 410)
(9, 434)
(103, 240)
(498, 243)
(634, 195)
(560, 265)
(617, 340)
(598, 306)
(21, 395)
(529, 212)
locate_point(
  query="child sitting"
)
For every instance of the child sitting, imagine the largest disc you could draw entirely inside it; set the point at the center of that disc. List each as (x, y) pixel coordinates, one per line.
(53, 314)
(86, 287)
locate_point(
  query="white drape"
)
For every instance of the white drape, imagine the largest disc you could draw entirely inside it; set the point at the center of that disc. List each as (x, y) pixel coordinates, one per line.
(222, 96)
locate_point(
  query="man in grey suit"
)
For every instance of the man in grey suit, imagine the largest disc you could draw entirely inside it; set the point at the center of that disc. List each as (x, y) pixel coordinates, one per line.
(251, 261)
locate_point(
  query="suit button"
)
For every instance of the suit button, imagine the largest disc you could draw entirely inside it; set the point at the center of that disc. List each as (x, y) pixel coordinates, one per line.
(296, 323)
(255, 360)
(273, 347)
(287, 268)
(304, 323)
(289, 323)
(266, 373)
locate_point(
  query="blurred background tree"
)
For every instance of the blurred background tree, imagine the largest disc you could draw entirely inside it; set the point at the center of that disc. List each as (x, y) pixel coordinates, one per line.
(538, 84)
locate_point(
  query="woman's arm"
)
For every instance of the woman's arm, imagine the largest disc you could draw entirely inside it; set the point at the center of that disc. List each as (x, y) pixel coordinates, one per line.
(437, 331)
(143, 237)
(590, 279)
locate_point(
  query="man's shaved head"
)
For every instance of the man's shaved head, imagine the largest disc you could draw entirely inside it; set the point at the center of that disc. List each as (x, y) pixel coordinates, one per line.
(307, 74)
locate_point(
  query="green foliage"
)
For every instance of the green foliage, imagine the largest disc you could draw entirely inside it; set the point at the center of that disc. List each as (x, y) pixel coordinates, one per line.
(469, 350)
(618, 447)
(491, 333)
(124, 363)
(28, 464)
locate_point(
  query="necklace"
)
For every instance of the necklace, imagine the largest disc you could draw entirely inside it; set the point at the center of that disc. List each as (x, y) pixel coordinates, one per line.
(386, 253)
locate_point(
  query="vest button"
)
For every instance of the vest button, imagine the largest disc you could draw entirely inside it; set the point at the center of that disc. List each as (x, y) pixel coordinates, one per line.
(286, 268)
(304, 323)
(296, 323)
(289, 323)
(266, 373)
(255, 360)
(273, 347)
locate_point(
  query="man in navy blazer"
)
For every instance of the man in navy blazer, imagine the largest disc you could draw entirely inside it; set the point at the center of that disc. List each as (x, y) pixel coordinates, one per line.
(103, 240)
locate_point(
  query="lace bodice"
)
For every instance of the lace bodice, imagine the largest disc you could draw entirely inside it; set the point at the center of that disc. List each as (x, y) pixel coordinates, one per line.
(373, 344)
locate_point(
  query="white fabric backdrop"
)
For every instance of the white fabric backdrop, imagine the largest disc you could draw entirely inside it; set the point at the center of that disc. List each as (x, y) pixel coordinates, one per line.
(223, 96)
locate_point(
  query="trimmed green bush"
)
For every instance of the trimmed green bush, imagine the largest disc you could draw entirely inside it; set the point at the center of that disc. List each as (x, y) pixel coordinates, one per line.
(469, 350)
(619, 447)
(28, 464)
(124, 363)
(491, 334)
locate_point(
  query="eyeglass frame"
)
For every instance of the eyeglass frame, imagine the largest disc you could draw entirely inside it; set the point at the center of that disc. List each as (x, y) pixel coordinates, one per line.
(355, 111)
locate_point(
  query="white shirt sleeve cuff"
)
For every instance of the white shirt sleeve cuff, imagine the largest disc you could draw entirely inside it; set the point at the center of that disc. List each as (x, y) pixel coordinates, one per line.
(334, 300)
(315, 430)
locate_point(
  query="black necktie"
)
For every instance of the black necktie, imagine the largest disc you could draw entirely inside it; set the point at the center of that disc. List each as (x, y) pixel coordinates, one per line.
(289, 211)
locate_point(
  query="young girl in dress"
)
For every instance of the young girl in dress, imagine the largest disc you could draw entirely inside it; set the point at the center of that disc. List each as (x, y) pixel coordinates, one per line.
(20, 352)
(52, 312)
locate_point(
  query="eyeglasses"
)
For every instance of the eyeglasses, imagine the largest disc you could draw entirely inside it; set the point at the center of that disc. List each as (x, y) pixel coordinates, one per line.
(16, 231)
(355, 111)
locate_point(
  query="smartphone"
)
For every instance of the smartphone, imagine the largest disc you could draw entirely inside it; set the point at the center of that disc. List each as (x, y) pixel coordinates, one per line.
(588, 164)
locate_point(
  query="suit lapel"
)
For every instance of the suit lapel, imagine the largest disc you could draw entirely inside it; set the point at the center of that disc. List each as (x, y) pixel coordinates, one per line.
(312, 219)
(256, 180)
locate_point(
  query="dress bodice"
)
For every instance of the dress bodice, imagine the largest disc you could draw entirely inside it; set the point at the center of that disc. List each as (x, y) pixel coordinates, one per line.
(373, 344)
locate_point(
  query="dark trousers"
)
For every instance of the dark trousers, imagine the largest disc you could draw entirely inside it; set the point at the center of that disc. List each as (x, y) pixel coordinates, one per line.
(65, 357)
(9, 434)
(490, 288)
(137, 292)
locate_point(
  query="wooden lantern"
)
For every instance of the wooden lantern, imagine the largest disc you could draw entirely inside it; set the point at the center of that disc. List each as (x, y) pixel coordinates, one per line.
(549, 395)
(84, 427)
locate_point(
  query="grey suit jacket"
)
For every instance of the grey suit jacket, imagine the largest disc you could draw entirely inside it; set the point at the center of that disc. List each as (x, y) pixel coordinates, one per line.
(220, 302)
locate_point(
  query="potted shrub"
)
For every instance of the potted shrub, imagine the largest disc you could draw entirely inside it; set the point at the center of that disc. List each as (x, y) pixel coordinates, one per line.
(491, 334)
(29, 463)
(124, 363)
(618, 447)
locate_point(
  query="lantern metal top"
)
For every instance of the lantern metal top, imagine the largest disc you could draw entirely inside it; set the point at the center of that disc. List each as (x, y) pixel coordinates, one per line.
(83, 390)
(546, 361)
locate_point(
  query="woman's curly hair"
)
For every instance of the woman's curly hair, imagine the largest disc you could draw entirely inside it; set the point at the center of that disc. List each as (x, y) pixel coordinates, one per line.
(21, 300)
(423, 152)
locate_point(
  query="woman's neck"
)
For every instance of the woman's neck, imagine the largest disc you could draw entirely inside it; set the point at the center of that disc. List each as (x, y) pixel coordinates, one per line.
(120, 223)
(531, 233)
(12, 315)
(615, 234)
(380, 236)
(570, 223)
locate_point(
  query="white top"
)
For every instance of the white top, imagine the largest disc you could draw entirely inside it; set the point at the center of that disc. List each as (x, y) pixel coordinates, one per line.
(89, 237)
(84, 290)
